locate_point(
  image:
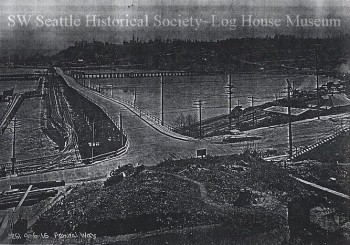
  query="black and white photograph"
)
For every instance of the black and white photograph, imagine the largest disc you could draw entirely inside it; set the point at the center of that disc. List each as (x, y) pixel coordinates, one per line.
(175, 122)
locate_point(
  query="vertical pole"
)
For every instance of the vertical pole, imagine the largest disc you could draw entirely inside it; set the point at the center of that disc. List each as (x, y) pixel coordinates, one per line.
(341, 124)
(111, 90)
(99, 87)
(134, 96)
(230, 101)
(162, 99)
(62, 122)
(289, 123)
(13, 159)
(253, 111)
(317, 88)
(200, 119)
(93, 141)
(62, 109)
(238, 114)
(121, 128)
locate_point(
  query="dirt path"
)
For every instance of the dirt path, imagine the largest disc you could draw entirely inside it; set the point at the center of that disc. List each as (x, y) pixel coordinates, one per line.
(226, 209)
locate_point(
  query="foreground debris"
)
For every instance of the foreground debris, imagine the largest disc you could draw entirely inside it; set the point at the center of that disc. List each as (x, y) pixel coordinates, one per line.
(237, 198)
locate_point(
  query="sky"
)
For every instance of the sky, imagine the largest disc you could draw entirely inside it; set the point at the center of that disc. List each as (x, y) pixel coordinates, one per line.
(29, 39)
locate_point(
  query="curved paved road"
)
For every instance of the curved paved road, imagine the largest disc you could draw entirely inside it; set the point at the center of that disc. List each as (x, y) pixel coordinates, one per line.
(149, 146)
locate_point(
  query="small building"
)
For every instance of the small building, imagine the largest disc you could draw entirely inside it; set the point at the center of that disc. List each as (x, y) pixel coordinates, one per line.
(336, 103)
(6, 95)
(281, 113)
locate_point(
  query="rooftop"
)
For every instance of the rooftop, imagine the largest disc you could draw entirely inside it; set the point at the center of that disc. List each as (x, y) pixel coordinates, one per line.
(284, 110)
(338, 100)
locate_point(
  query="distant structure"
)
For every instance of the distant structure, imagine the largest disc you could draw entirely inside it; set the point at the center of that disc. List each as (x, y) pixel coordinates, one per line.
(6, 95)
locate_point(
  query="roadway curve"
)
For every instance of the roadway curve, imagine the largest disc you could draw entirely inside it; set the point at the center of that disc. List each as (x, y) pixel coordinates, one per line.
(147, 145)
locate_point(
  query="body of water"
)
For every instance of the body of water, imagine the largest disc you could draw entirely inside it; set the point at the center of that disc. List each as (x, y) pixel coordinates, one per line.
(30, 141)
(181, 93)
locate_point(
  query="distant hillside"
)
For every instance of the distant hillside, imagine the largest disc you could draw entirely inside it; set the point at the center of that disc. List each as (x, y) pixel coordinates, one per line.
(279, 52)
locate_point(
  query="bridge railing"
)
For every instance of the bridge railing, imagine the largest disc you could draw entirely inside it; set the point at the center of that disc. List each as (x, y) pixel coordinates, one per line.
(22, 76)
(110, 154)
(139, 111)
(134, 74)
(145, 113)
(40, 168)
(126, 144)
(105, 111)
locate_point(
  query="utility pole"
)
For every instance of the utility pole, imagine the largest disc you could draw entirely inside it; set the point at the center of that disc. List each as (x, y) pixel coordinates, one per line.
(253, 110)
(200, 119)
(229, 86)
(199, 103)
(238, 113)
(93, 141)
(317, 88)
(252, 98)
(289, 122)
(162, 99)
(252, 101)
(62, 122)
(121, 128)
(134, 96)
(62, 109)
(13, 159)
